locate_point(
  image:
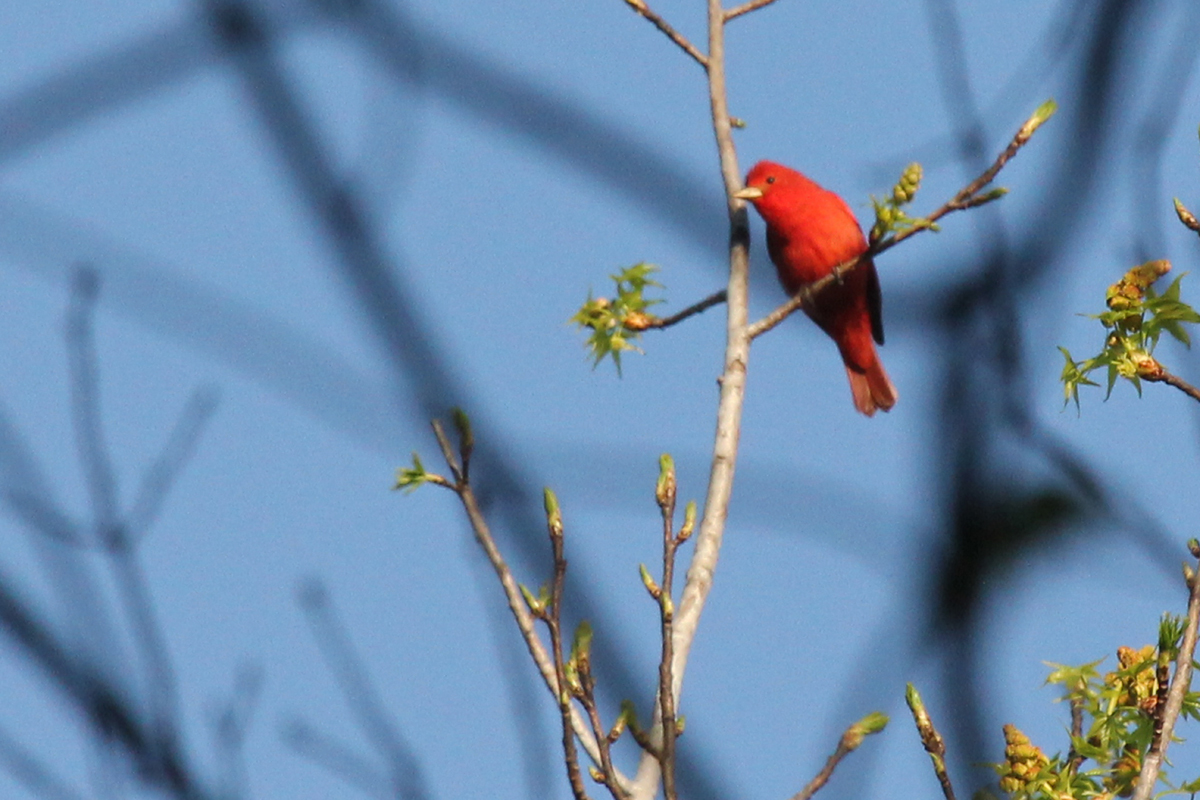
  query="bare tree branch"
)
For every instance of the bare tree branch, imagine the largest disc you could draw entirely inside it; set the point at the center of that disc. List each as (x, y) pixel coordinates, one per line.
(729, 410)
(675, 36)
(716, 298)
(746, 8)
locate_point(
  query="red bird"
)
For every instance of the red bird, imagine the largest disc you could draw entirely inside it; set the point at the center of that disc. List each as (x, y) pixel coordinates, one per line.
(810, 231)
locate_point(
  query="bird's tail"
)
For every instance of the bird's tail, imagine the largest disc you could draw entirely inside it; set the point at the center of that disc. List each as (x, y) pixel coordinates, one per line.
(872, 389)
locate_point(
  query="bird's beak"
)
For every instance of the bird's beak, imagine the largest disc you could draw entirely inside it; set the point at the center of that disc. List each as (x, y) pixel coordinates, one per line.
(749, 193)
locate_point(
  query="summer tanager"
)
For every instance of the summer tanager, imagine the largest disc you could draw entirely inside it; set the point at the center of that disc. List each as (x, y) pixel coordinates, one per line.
(809, 232)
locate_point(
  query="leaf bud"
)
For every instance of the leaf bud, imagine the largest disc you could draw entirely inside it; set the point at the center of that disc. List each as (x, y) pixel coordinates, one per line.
(553, 514)
(536, 606)
(1043, 113)
(664, 491)
(874, 722)
(581, 648)
(689, 521)
(1149, 369)
(637, 321)
(649, 582)
(1186, 217)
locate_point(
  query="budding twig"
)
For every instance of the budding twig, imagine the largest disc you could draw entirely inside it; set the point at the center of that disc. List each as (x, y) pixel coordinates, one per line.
(512, 591)
(851, 739)
(665, 494)
(931, 740)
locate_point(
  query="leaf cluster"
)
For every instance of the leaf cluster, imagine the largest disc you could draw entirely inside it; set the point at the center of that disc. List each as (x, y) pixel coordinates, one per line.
(616, 324)
(1136, 318)
(1115, 725)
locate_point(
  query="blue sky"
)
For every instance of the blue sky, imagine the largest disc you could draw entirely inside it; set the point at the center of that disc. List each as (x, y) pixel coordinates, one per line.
(494, 219)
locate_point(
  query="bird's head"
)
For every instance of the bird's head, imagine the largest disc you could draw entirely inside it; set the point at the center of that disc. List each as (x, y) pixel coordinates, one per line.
(770, 185)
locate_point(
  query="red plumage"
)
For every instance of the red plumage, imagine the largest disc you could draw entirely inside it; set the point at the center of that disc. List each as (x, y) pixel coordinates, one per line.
(811, 230)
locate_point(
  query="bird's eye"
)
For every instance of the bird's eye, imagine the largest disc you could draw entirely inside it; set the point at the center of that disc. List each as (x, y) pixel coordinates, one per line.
(771, 179)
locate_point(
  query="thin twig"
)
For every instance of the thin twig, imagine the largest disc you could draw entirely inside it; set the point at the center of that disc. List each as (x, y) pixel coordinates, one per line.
(586, 694)
(675, 36)
(1179, 687)
(850, 741)
(746, 8)
(553, 619)
(1172, 379)
(665, 494)
(822, 777)
(607, 771)
(516, 603)
(967, 197)
(931, 740)
(713, 299)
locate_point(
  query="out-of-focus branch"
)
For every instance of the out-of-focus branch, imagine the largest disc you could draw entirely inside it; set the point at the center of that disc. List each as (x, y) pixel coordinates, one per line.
(675, 36)
(181, 444)
(31, 773)
(112, 534)
(968, 197)
(338, 758)
(401, 767)
(1179, 686)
